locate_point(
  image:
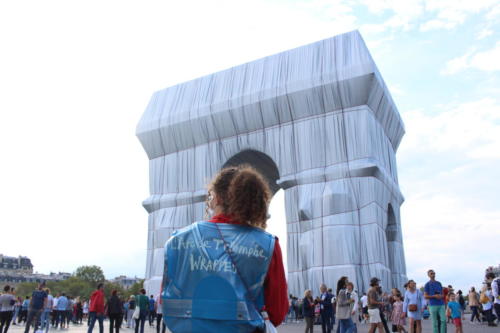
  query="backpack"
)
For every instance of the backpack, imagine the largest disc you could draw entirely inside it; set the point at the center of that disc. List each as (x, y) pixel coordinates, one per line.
(484, 298)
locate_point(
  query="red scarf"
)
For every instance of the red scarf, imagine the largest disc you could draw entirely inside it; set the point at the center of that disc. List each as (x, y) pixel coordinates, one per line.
(222, 218)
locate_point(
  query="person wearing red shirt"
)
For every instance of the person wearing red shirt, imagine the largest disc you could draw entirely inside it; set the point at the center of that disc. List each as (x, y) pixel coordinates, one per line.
(238, 196)
(96, 309)
(234, 196)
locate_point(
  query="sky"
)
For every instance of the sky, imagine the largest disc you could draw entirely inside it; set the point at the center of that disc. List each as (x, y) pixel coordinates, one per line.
(76, 76)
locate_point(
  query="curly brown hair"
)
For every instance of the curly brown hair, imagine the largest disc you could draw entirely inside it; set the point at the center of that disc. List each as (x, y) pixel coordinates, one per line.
(249, 196)
(243, 194)
(220, 185)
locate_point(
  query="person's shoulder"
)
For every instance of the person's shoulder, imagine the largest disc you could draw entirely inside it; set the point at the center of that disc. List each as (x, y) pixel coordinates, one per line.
(187, 228)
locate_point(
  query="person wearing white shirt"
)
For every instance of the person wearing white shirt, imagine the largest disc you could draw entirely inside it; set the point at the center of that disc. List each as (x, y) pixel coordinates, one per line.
(488, 306)
(54, 310)
(159, 315)
(364, 306)
(354, 306)
(495, 289)
(46, 311)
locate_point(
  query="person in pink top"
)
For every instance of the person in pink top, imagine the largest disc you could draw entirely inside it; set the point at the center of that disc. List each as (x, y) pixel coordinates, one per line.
(397, 316)
(96, 309)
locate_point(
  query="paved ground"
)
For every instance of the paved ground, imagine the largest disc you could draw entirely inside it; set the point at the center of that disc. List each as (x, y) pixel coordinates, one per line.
(427, 328)
(285, 328)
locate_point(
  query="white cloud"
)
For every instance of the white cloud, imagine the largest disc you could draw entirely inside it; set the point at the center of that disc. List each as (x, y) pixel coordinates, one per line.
(457, 64)
(448, 160)
(396, 89)
(437, 24)
(451, 13)
(427, 14)
(487, 60)
(438, 226)
(483, 33)
(494, 13)
(405, 14)
(484, 61)
(470, 129)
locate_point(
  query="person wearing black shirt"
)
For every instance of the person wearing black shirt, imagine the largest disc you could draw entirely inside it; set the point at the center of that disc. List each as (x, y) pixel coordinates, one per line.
(114, 308)
(326, 309)
(37, 304)
(308, 305)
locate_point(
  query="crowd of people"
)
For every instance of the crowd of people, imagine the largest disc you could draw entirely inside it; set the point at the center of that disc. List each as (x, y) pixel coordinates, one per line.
(43, 311)
(226, 274)
(404, 310)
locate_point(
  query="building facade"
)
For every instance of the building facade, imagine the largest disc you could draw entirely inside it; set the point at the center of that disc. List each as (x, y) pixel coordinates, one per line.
(125, 282)
(18, 264)
(15, 270)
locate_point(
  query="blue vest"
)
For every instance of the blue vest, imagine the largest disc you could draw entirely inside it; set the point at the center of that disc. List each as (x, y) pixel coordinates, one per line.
(203, 291)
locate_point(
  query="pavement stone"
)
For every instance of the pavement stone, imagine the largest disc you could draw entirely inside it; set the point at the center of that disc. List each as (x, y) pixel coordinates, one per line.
(284, 328)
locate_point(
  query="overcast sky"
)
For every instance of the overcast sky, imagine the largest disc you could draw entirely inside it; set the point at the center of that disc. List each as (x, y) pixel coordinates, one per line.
(75, 77)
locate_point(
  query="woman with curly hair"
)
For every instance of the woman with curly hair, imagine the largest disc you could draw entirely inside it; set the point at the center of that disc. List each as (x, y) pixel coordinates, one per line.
(221, 273)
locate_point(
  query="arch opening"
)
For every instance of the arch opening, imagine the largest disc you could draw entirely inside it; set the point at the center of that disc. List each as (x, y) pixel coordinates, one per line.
(261, 162)
(276, 224)
(391, 231)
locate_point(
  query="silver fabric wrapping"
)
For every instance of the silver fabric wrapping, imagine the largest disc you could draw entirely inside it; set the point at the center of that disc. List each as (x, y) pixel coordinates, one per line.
(321, 123)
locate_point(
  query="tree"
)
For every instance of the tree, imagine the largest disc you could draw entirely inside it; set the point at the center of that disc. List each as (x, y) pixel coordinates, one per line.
(110, 286)
(135, 288)
(25, 289)
(92, 274)
(75, 287)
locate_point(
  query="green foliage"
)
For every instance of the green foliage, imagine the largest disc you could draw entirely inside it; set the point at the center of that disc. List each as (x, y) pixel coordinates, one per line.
(25, 289)
(75, 287)
(81, 285)
(110, 286)
(135, 288)
(92, 274)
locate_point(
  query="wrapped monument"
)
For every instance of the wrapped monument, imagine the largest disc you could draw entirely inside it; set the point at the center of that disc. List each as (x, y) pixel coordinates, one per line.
(318, 121)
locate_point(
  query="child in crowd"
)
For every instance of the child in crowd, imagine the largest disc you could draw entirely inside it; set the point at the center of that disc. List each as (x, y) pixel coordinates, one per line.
(317, 310)
(454, 312)
(397, 315)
